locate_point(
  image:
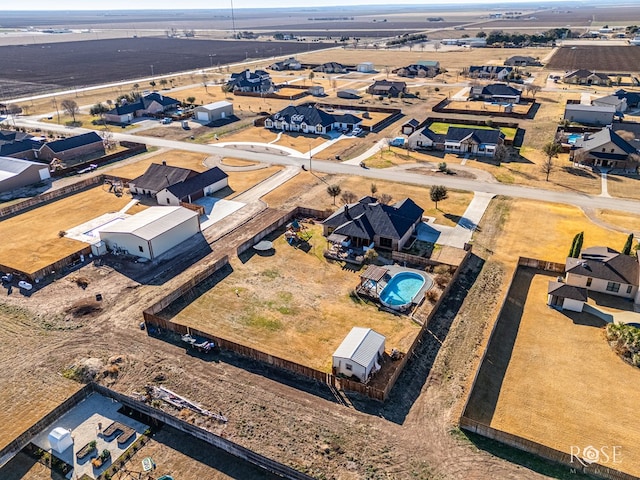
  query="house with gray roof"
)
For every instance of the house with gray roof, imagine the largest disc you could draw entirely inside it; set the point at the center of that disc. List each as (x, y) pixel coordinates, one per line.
(426, 139)
(360, 354)
(493, 72)
(173, 185)
(310, 119)
(422, 69)
(522, 61)
(496, 92)
(73, 149)
(387, 88)
(150, 104)
(604, 149)
(632, 98)
(331, 67)
(474, 141)
(619, 103)
(586, 77)
(290, 63)
(599, 269)
(258, 81)
(369, 222)
(18, 144)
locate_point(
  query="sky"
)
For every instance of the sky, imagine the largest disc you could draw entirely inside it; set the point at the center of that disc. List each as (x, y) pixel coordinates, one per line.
(213, 4)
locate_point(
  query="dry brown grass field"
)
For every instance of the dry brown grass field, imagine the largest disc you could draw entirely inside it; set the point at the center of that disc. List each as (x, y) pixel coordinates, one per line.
(237, 162)
(34, 234)
(484, 107)
(624, 187)
(626, 221)
(565, 386)
(280, 304)
(545, 231)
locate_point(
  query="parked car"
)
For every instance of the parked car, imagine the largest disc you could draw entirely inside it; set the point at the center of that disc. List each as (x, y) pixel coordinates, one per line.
(25, 285)
(8, 278)
(166, 120)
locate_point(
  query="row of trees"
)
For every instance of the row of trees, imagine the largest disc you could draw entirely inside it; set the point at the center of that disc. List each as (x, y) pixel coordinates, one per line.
(437, 193)
(578, 240)
(498, 36)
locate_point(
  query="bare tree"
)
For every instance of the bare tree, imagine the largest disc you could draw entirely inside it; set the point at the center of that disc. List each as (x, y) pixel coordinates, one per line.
(71, 107)
(348, 197)
(436, 46)
(385, 199)
(13, 110)
(534, 89)
(501, 153)
(374, 189)
(205, 81)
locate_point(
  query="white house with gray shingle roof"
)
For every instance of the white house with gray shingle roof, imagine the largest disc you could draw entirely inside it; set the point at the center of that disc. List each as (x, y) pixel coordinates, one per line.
(599, 269)
(359, 355)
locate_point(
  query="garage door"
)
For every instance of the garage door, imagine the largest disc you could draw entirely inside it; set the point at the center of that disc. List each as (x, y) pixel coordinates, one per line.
(204, 116)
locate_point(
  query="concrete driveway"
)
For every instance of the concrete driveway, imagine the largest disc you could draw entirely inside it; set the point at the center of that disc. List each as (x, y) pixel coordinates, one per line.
(460, 234)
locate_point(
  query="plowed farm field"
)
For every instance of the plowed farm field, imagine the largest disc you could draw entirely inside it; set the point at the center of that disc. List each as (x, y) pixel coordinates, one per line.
(597, 58)
(38, 68)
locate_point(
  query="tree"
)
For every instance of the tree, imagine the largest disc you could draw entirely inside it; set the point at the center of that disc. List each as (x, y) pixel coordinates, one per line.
(626, 250)
(501, 153)
(190, 100)
(576, 245)
(438, 193)
(551, 150)
(311, 76)
(152, 83)
(481, 34)
(534, 89)
(436, 46)
(71, 107)
(442, 167)
(136, 86)
(374, 189)
(163, 82)
(348, 197)
(205, 81)
(385, 199)
(334, 191)
(98, 109)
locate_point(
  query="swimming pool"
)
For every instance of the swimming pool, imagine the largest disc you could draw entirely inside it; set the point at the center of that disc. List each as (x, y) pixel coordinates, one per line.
(401, 289)
(573, 137)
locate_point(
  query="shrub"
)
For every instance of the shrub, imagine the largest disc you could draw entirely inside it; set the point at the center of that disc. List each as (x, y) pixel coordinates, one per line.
(432, 296)
(442, 279)
(441, 269)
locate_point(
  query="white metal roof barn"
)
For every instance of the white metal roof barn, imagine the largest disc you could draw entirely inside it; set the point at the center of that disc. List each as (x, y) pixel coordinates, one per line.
(359, 353)
(151, 232)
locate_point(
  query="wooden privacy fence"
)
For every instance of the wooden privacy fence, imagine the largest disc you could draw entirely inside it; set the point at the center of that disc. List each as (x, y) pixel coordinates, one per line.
(541, 264)
(515, 441)
(415, 260)
(132, 149)
(543, 451)
(49, 196)
(210, 438)
(206, 436)
(153, 317)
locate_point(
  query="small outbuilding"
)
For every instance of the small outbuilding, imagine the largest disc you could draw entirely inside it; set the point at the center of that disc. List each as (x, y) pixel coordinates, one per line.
(151, 232)
(365, 67)
(60, 439)
(16, 173)
(359, 354)
(213, 111)
(566, 297)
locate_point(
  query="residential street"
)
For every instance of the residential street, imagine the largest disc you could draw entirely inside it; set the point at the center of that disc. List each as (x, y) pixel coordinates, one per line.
(578, 199)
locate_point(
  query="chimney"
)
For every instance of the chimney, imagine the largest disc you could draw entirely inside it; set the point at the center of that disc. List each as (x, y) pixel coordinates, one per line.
(164, 162)
(346, 211)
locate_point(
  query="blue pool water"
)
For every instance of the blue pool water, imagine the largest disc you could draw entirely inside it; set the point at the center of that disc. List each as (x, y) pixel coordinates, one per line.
(401, 289)
(573, 137)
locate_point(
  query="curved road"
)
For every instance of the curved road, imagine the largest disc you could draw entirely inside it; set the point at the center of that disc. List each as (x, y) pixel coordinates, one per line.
(572, 198)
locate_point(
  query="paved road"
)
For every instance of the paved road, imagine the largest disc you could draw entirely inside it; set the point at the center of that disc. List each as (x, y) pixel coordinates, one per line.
(572, 198)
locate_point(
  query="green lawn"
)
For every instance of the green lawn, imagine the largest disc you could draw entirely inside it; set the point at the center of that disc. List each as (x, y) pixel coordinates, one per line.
(441, 128)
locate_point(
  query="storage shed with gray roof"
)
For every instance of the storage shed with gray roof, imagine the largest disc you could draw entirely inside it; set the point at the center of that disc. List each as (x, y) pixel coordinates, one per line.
(359, 354)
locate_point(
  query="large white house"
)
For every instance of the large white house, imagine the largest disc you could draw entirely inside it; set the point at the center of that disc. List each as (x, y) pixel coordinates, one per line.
(359, 354)
(152, 232)
(599, 269)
